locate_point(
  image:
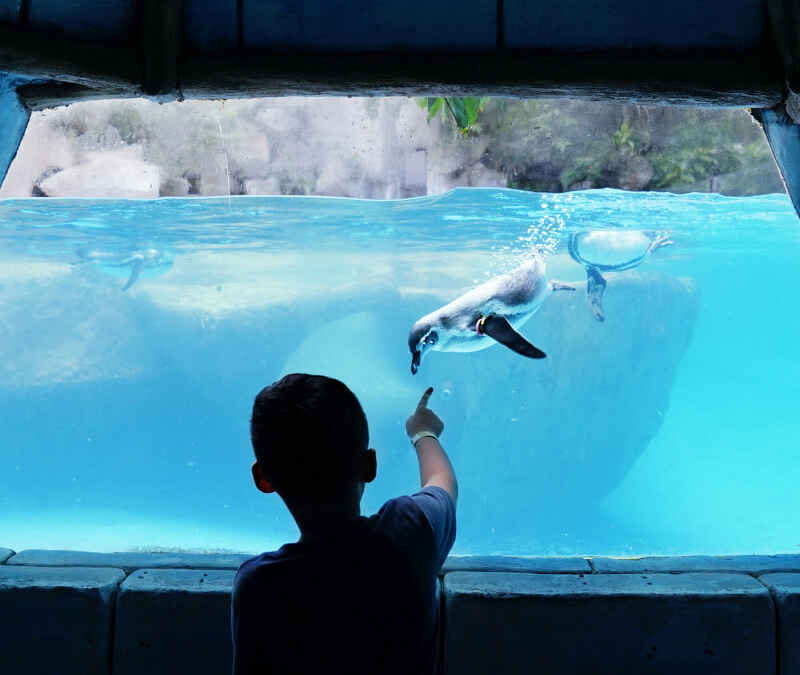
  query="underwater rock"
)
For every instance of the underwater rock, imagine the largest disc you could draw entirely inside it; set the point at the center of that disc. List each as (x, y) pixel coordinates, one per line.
(321, 352)
(58, 329)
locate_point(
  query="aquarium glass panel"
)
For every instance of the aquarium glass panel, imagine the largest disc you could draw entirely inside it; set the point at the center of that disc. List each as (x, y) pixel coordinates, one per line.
(134, 335)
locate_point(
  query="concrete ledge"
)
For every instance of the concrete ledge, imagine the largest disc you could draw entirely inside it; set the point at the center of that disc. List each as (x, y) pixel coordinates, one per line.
(748, 564)
(134, 561)
(533, 615)
(129, 561)
(785, 589)
(57, 620)
(688, 623)
(509, 563)
(77, 68)
(5, 554)
(174, 621)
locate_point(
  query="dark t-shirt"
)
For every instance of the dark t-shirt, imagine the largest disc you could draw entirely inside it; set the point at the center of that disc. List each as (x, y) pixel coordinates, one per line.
(363, 601)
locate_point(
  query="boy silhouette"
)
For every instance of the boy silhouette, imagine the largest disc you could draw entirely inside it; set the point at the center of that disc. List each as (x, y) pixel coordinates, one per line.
(355, 594)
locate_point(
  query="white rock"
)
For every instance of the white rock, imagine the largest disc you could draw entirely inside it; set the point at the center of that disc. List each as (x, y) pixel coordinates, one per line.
(122, 174)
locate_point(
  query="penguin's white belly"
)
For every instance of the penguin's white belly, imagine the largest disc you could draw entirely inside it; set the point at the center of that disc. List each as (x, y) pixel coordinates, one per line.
(613, 248)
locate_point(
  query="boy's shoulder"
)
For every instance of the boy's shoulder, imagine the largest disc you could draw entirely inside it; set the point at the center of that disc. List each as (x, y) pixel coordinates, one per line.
(403, 523)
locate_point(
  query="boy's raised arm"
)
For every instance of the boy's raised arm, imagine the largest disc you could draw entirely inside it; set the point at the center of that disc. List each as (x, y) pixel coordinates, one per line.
(424, 428)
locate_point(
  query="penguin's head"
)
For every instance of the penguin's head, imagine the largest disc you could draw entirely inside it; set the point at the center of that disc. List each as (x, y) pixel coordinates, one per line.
(420, 339)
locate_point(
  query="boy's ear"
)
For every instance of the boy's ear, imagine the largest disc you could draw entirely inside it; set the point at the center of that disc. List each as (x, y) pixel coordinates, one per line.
(369, 466)
(261, 482)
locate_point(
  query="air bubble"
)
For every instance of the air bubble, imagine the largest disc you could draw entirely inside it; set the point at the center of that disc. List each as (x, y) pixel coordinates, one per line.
(446, 394)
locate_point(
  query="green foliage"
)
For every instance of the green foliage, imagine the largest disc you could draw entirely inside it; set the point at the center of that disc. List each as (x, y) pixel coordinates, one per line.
(623, 138)
(563, 145)
(130, 124)
(463, 111)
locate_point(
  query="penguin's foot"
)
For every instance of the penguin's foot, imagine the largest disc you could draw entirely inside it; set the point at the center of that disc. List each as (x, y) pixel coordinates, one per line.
(595, 306)
(659, 241)
(561, 286)
(595, 285)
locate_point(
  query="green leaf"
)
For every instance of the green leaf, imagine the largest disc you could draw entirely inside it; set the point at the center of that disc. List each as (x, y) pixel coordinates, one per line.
(458, 109)
(433, 106)
(465, 111)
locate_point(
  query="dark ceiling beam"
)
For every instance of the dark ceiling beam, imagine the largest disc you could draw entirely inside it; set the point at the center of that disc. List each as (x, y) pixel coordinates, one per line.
(161, 37)
(79, 69)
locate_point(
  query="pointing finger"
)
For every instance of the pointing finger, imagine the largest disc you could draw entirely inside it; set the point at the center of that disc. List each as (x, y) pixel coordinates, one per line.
(423, 402)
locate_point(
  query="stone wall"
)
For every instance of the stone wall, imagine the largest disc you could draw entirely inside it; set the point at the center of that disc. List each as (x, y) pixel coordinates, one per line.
(102, 613)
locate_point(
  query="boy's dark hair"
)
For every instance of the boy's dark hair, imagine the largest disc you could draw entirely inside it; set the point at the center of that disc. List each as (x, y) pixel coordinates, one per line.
(308, 433)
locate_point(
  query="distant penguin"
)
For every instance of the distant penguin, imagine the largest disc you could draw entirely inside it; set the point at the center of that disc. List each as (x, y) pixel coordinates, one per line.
(491, 312)
(610, 251)
(131, 263)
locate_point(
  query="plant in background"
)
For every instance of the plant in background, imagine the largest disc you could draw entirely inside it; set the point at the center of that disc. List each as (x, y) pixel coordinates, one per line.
(127, 119)
(463, 111)
(623, 138)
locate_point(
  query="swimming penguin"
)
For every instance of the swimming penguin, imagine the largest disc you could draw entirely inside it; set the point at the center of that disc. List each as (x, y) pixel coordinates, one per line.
(610, 251)
(128, 263)
(495, 309)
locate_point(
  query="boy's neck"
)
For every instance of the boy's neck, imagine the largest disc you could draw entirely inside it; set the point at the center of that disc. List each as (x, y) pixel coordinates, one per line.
(316, 524)
(318, 521)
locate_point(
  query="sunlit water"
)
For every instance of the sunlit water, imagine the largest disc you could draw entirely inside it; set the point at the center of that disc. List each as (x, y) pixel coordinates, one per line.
(671, 427)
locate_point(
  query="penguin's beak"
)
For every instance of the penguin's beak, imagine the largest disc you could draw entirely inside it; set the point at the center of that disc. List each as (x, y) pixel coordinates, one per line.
(416, 357)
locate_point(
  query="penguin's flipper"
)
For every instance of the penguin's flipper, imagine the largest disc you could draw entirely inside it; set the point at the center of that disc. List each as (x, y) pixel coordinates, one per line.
(595, 285)
(136, 269)
(497, 327)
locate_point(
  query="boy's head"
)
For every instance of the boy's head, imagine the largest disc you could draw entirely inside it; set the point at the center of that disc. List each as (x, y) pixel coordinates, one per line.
(310, 438)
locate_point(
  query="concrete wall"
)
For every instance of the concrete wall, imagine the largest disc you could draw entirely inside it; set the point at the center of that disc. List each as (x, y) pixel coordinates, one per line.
(129, 613)
(718, 52)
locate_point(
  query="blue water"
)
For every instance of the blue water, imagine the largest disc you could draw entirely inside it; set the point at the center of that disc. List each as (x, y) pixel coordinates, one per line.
(671, 427)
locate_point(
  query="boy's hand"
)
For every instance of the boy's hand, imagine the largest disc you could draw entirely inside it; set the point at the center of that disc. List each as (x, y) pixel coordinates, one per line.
(424, 419)
(434, 465)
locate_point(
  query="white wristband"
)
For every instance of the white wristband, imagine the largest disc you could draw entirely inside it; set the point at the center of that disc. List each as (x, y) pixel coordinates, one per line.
(422, 434)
